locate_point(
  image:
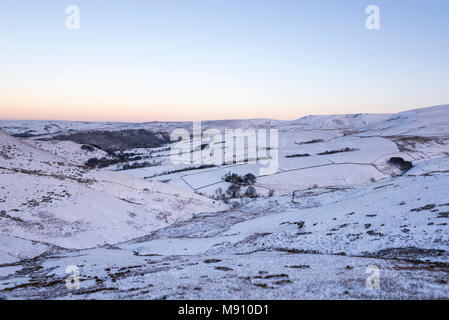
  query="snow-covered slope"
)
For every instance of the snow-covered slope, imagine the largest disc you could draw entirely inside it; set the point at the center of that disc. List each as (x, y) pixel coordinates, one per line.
(335, 122)
(316, 245)
(334, 212)
(431, 121)
(45, 198)
(69, 150)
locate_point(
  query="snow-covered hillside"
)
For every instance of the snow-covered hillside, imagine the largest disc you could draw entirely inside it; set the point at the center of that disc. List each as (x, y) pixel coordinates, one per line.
(69, 150)
(316, 245)
(335, 206)
(49, 199)
(305, 153)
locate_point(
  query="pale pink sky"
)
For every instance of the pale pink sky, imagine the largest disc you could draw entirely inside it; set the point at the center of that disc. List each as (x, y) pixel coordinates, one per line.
(201, 59)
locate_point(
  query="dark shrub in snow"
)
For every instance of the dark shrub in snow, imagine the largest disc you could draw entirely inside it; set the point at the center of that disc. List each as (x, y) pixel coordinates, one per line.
(347, 149)
(204, 166)
(251, 192)
(297, 155)
(249, 179)
(102, 163)
(87, 147)
(310, 142)
(138, 165)
(401, 163)
(92, 163)
(234, 191)
(233, 178)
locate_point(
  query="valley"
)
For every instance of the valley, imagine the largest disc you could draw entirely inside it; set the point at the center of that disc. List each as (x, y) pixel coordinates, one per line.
(349, 192)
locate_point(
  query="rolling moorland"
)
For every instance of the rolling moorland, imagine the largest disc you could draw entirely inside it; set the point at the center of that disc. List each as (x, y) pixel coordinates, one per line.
(351, 191)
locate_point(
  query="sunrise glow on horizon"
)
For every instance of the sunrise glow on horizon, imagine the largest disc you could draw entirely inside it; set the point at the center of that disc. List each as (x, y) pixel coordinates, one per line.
(135, 61)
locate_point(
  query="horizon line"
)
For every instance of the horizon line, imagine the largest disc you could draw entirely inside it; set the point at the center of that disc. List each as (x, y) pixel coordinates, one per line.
(228, 119)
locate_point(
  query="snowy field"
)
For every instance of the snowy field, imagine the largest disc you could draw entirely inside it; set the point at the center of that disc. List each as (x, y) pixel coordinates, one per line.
(334, 207)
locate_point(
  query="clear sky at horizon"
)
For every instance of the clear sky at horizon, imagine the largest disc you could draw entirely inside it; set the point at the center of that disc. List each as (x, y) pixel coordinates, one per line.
(220, 59)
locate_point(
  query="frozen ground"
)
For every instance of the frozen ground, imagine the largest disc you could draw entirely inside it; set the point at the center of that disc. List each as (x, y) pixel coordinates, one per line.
(331, 217)
(48, 199)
